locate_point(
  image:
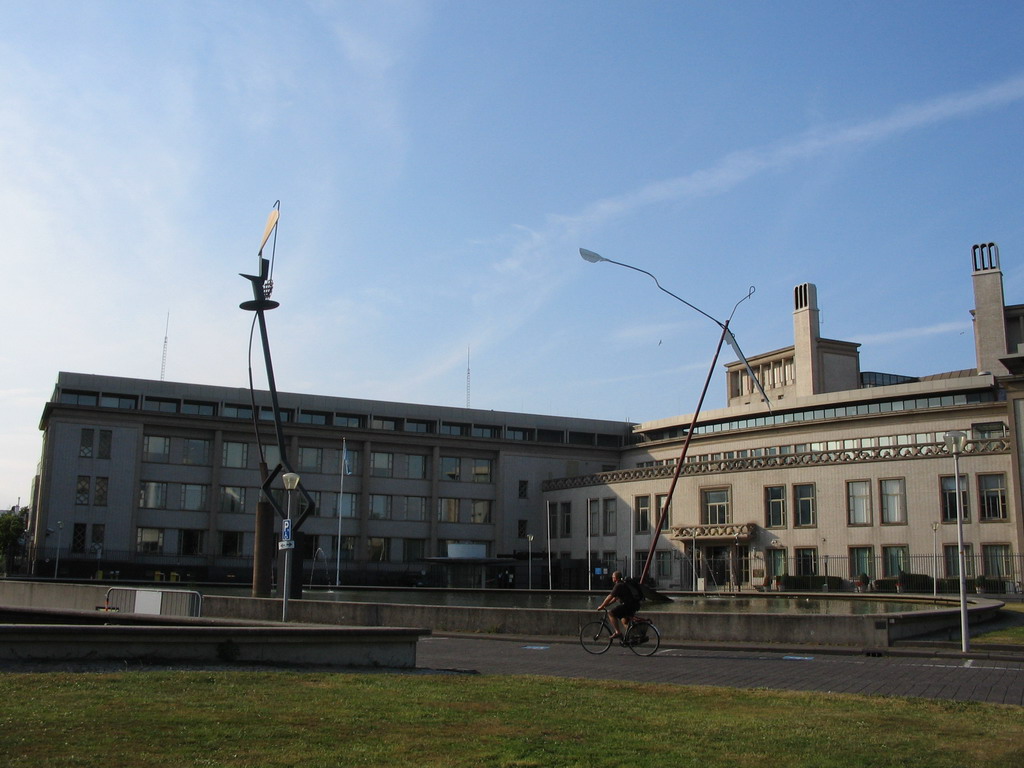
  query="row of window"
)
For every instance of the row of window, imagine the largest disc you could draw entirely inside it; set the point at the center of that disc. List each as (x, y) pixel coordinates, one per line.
(157, 449)
(996, 561)
(988, 431)
(327, 418)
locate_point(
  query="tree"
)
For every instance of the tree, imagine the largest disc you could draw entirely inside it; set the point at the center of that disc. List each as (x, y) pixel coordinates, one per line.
(11, 529)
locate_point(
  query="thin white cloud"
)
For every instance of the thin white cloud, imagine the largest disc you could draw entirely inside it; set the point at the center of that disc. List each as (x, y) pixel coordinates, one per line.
(904, 334)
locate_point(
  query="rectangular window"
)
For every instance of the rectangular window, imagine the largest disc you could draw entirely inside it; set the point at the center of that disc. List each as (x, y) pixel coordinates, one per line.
(894, 501)
(805, 501)
(522, 528)
(775, 506)
(951, 559)
(314, 417)
(451, 468)
(119, 401)
(78, 538)
(235, 454)
(593, 517)
(349, 505)
(806, 561)
(160, 404)
(776, 562)
(100, 490)
(862, 561)
(348, 420)
(197, 451)
(381, 464)
(156, 449)
(231, 543)
(310, 459)
(103, 449)
(566, 519)
(663, 565)
(480, 511)
(233, 411)
(379, 549)
(385, 423)
(380, 507)
(191, 542)
(642, 514)
(85, 444)
(997, 561)
(895, 560)
(153, 495)
(351, 462)
(948, 496)
(518, 433)
(552, 520)
(858, 502)
(232, 499)
(992, 496)
(416, 467)
(83, 487)
(416, 507)
(149, 541)
(482, 470)
(714, 506)
(659, 506)
(99, 532)
(413, 550)
(193, 497)
(448, 510)
(421, 427)
(524, 489)
(196, 408)
(449, 428)
(608, 516)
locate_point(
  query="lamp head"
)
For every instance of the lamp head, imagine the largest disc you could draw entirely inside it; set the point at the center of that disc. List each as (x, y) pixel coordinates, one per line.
(291, 480)
(955, 441)
(590, 256)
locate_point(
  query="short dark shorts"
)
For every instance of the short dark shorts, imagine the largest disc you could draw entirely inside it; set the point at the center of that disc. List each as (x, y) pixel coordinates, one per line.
(623, 611)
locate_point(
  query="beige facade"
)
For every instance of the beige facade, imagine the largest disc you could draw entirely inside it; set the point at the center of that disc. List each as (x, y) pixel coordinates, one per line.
(846, 473)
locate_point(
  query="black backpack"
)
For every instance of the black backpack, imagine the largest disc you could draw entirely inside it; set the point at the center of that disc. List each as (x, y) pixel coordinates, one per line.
(633, 585)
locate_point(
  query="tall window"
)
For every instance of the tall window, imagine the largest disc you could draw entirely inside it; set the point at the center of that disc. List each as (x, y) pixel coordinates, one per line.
(232, 499)
(78, 538)
(714, 506)
(663, 565)
(894, 501)
(100, 490)
(861, 561)
(775, 506)
(642, 514)
(895, 560)
(413, 550)
(659, 504)
(948, 491)
(156, 448)
(103, 448)
(483, 469)
(380, 507)
(608, 516)
(85, 444)
(566, 519)
(480, 511)
(997, 561)
(379, 549)
(992, 496)
(776, 561)
(448, 510)
(153, 495)
(231, 543)
(451, 468)
(82, 488)
(858, 502)
(951, 559)
(349, 505)
(594, 512)
(416, 467)
(235, 454)
(805, 502)
(806, 561)
(381, 464)
(191, 541)
(311, 459)
(193, 497)
(197, 451)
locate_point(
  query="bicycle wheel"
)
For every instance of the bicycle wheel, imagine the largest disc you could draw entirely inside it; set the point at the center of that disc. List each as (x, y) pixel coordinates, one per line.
(643, 638)
(596, 637)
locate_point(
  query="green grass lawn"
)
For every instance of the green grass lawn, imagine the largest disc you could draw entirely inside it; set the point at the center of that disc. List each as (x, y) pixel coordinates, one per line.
(1012, 635)
(288, 718)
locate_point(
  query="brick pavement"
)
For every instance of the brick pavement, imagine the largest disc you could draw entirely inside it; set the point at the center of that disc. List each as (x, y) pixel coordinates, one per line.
(901, 673)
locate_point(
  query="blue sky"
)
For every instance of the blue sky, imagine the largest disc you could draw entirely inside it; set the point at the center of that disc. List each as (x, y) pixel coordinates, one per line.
(440, 163)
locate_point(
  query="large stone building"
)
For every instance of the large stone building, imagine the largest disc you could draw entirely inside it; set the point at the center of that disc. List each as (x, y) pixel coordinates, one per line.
(846, 473)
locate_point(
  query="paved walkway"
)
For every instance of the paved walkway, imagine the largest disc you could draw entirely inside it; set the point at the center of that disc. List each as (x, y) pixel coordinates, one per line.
(904, 673)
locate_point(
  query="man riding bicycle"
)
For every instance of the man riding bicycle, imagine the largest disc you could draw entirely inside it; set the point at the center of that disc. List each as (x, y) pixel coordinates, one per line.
(627, 607)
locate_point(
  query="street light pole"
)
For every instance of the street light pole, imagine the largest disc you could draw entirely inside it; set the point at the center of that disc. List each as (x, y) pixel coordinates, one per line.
(955, 442)
(529, 550)
(726, 338)
(56, 565)
(935, 561)
(291, 482)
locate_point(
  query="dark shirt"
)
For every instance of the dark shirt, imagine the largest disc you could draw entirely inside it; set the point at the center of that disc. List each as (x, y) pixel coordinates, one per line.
(624, 594)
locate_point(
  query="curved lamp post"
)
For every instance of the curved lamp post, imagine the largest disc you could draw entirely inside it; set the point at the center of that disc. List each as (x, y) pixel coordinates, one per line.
(955, 442)
(529, 549)
(726, 338)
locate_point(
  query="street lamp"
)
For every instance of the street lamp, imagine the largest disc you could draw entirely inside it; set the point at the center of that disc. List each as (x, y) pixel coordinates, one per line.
(935, 561)
(726, 338)
(291, 482)
(955, 442)
(529, 549)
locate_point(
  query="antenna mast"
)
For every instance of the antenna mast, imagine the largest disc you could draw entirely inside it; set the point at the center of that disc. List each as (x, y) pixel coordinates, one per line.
(163, 361)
